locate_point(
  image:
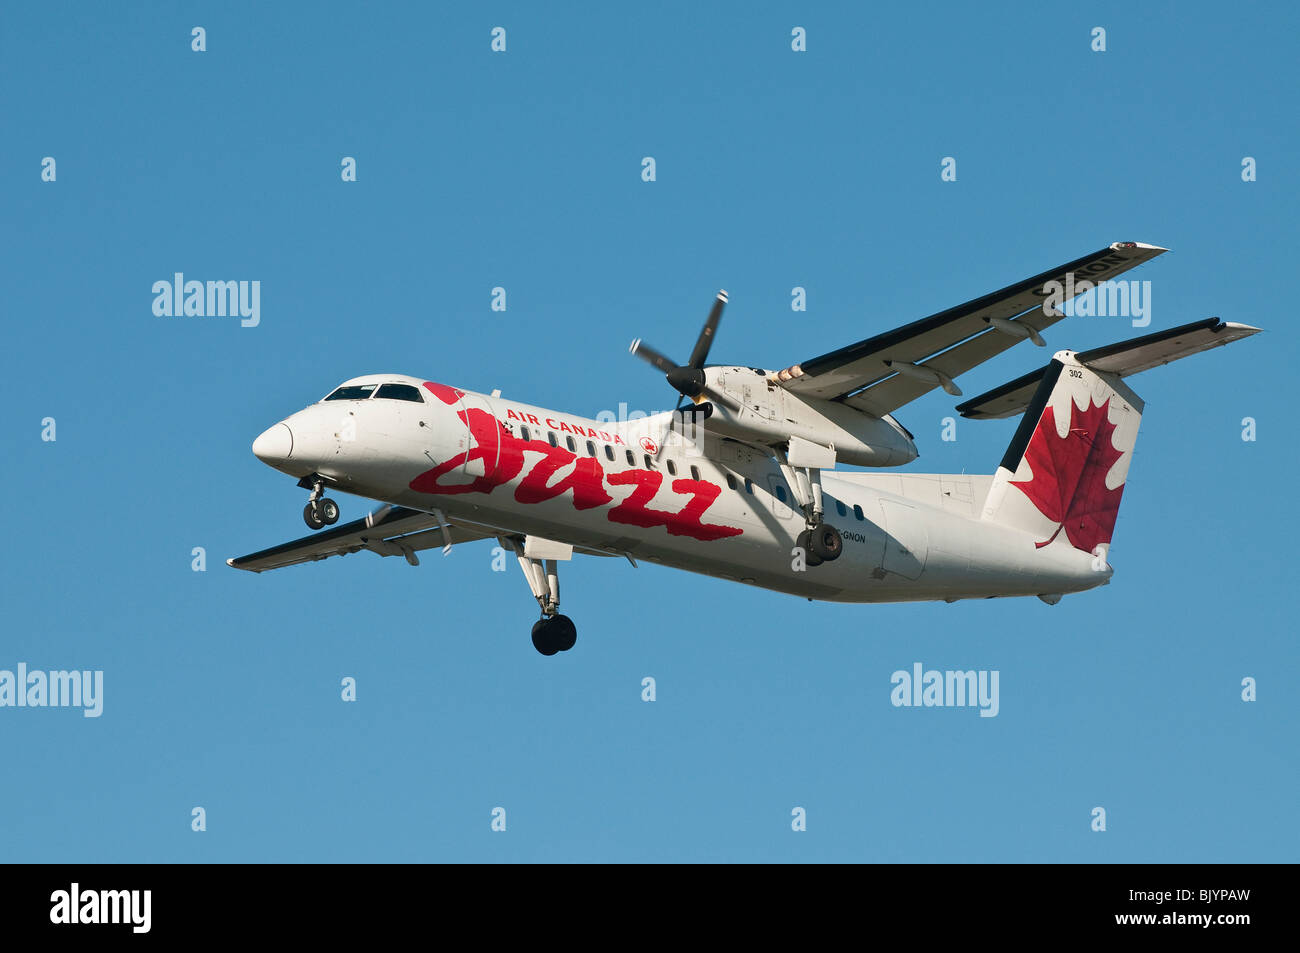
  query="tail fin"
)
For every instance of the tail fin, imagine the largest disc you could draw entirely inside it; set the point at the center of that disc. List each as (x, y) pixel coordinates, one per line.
(1063, 474)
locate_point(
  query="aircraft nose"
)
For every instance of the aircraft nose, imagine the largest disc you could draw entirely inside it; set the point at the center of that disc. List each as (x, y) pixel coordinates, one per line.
(274, 445)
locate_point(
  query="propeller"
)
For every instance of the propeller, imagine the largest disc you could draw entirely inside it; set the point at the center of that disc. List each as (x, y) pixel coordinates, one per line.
(378, 516)
(687, 379)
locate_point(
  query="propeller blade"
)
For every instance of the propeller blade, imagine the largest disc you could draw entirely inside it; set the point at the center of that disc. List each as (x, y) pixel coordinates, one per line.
(651, 356)
(378, 516)
(705, 340)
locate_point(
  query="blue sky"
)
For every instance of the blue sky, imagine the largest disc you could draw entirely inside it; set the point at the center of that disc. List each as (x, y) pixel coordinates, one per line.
(522, 170)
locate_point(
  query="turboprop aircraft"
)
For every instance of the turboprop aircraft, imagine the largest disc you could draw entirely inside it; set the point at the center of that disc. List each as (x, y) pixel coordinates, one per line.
(744, 483)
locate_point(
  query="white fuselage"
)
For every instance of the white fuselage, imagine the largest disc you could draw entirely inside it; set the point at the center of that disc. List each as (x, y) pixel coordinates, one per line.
(711, 506)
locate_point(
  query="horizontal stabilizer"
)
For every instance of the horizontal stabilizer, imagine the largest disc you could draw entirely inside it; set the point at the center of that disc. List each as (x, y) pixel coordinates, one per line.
(1122, 359)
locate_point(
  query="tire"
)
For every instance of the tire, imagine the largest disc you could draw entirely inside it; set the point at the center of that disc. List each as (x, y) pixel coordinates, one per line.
(542, 640)
(328, 511)
(826, 542)
(810, 558)
(311, 516)
(563, 633)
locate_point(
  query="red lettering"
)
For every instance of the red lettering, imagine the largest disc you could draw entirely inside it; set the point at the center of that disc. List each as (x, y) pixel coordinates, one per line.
(586, 480)
(503, 459)
(687, 522)
(633, 511)
(534, 420)
(491, 440)
(510, 414)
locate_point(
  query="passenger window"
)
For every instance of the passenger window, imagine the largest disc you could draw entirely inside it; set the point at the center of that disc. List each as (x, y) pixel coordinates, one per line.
(749, 486)
(591, 449)
(609, 453)
(399, 392)
(857, 511)
(840, 508)
(695, 472)
(631, 460)
(672, 468)
(550, 435)
(523, 432)
(780, 493)
(572, 446)
(731, 481)
(648, 464)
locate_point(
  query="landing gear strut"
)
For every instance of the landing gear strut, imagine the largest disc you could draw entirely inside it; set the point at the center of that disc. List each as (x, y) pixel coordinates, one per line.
(320, 510)
(552, 632)
(821, 542)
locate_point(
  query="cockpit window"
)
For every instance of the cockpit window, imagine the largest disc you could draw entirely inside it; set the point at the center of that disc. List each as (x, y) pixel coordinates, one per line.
(399, 392)
(355, 392)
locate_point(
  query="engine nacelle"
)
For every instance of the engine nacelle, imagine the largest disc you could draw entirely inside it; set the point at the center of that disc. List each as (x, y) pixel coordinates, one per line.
(763, 412)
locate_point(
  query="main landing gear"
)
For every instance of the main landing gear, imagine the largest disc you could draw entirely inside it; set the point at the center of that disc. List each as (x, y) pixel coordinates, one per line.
(552, 632)
(821, 542)
(320, 510)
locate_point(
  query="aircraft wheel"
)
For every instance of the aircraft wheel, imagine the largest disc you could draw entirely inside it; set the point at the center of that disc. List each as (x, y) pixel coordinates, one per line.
(328, 511)
(542, 640)
(826, 542)
(563, 632)
(810, 558)
(311, 516)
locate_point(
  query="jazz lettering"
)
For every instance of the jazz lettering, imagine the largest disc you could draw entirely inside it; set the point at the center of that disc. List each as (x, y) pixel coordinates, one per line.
(503, 457)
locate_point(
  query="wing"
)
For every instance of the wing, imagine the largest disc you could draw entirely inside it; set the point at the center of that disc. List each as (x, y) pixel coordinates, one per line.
(397, 532)
(1122, 359)
(933, 350)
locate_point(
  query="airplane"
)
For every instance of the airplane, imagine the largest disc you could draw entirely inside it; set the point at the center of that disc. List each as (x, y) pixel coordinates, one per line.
(742, 481)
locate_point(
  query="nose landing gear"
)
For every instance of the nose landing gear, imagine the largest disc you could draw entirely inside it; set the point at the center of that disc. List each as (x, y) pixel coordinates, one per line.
(320, 510)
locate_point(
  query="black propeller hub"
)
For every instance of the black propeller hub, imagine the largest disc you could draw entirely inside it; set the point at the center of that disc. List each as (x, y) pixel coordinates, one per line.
(687, 381)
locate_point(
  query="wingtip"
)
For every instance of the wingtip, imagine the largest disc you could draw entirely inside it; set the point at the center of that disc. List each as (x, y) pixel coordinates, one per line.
(1144, 246)
(1245, 330)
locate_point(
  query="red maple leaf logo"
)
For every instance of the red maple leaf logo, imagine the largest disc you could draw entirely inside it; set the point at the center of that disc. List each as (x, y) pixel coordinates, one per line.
(1068, 484)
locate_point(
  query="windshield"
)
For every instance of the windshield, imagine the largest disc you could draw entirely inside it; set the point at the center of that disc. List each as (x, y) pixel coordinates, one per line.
(399, 392)
(355, 392)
